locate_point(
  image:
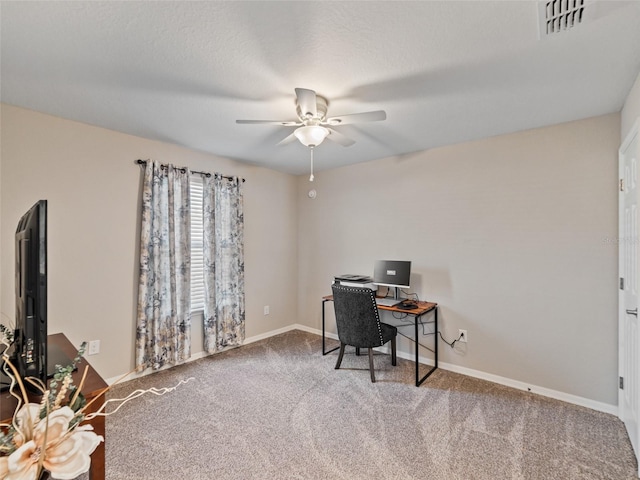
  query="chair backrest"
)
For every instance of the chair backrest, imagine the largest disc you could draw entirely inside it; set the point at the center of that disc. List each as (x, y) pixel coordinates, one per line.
(357, 316)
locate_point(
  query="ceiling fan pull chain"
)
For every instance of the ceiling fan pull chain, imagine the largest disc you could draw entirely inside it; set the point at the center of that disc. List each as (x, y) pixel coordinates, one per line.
(311, 176)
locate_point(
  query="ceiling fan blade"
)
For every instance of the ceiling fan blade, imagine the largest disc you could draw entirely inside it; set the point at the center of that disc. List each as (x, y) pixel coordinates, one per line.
(270, 122)
(356, 117)
(307, 102)
(289, 139)
(339, 138)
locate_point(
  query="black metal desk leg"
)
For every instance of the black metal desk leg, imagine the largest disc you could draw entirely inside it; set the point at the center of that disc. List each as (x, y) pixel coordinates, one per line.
(435, 335)
(415, 318)
(324, 352)
(435, 350)
(323, 302)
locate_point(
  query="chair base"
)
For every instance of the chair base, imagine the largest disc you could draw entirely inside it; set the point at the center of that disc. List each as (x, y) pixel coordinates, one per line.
(394, 360)
(340, 355)
(373, 376)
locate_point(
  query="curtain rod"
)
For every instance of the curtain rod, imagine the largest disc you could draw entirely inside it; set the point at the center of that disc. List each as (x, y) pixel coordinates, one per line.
(183, 170)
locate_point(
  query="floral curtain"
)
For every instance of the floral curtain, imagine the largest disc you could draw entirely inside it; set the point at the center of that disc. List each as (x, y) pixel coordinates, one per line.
(163, 334)
(223, 225)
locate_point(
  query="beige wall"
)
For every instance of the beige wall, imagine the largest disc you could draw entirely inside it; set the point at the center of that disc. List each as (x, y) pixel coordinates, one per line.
(631, 109)
(513, 236)
(88, 176)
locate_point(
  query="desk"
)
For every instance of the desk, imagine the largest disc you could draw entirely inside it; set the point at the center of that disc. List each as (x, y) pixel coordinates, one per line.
(416, 313)
(92, 388)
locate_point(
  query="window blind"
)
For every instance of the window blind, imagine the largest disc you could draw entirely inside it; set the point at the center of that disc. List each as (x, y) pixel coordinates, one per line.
(197, 251)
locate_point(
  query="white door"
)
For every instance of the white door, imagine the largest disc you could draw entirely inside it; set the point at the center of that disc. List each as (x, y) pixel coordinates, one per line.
(628, 331)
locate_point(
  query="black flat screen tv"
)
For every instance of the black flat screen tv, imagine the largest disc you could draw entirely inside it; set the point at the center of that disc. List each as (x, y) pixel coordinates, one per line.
(31, 293)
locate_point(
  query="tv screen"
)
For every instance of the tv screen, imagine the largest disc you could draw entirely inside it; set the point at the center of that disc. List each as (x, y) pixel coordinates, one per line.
(392, 273)
(31, 293)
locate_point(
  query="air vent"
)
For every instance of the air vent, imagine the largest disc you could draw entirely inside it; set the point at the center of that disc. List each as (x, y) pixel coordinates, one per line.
(560, 15)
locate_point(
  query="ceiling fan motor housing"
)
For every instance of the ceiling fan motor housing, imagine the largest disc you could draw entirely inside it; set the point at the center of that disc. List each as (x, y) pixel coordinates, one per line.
(321, 107)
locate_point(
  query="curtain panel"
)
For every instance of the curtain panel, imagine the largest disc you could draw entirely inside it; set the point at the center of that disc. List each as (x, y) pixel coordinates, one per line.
(163, 333)
(223, 225)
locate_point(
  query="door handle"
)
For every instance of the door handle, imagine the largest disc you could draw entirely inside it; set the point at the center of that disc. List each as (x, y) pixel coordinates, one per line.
(633, 312)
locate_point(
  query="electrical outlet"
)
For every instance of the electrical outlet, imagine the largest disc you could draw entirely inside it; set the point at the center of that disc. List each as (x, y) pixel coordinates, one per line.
(94, 347)
(266, 309)
(462, 334)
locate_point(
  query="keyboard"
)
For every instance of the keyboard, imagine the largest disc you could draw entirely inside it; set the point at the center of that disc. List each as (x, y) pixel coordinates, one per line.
(388, 302)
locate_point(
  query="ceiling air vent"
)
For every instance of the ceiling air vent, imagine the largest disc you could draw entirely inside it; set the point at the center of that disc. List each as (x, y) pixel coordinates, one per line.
(560, 15)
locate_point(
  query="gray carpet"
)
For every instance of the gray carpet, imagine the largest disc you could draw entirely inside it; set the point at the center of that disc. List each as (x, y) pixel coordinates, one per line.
(277, 409)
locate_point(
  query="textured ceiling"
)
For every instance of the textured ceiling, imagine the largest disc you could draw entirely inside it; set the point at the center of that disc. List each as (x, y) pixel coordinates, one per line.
(444, 71)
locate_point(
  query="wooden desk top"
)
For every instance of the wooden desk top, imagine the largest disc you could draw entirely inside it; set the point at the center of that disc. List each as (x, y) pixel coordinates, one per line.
(423, 307)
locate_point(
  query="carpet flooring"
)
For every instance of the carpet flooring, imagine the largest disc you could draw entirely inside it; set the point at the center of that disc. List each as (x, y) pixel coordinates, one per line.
(277, 409)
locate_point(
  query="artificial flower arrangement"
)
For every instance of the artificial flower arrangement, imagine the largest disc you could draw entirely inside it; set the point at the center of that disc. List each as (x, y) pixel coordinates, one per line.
(50, 437)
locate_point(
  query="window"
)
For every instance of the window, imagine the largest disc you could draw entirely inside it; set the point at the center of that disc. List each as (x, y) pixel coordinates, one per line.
(197, 250)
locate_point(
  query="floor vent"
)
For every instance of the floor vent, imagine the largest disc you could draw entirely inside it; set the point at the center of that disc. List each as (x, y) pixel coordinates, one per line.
(560, 15)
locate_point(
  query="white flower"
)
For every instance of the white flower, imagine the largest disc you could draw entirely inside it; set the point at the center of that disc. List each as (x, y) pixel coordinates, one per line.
(54, 443)
(66, 453)
(4, 467)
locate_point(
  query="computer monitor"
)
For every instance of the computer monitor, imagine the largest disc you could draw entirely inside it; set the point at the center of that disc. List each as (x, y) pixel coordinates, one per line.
(392, 273)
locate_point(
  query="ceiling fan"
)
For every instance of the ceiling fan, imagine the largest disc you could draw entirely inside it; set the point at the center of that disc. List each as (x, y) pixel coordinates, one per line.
(314, 125)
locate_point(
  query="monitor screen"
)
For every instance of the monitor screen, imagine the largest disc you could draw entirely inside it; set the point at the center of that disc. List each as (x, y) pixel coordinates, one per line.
(392, 273)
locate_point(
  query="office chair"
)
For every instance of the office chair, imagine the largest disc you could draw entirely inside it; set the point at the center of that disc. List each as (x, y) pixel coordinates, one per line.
(359, 323)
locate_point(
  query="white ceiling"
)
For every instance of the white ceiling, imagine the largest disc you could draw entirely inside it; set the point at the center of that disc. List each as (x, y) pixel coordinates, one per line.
(444, 71)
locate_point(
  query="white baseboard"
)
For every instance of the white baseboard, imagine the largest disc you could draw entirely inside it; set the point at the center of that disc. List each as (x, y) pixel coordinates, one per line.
(272, 333)
(199, 355)
(508, 382)
(546, 392)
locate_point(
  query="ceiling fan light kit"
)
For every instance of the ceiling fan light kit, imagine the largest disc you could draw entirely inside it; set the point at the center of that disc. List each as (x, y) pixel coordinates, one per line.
(311, 135)
(312, 122)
